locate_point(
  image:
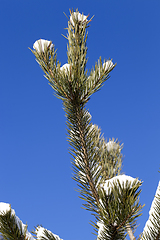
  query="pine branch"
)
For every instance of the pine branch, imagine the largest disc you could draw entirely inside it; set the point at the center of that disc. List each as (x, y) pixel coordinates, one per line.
(11, 226)
(96, 79)
(95, 161)
(120, 208)
(86, 162)
(44, 234)
(152, 227)
(79, 118)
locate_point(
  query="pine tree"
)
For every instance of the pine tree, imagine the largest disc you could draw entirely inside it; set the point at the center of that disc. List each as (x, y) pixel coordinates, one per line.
(112, 197)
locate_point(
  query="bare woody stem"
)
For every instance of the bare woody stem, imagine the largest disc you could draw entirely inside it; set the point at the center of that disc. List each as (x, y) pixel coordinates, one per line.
(130, 232)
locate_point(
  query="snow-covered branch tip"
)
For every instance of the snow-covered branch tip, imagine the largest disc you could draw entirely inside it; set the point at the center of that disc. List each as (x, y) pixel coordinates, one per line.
(5, 224)
(44, 234)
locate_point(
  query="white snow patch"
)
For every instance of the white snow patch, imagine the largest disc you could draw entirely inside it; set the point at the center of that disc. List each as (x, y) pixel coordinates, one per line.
(78, 16)
(4, 208)
(111, 145)
(42, 44)
(108, 65)
(122, 180)
(65, 68)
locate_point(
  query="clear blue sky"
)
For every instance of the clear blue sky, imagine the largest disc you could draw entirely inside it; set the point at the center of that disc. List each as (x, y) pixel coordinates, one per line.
(35, 163)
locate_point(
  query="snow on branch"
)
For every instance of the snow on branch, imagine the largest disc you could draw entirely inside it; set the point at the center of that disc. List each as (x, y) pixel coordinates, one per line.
(152, 227)
(4, 209)
(43, 233)
(76, 16)
(121, 179)
(41, 45)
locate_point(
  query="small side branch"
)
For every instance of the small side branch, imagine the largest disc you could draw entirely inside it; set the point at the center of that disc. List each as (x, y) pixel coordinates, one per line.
(92, 187)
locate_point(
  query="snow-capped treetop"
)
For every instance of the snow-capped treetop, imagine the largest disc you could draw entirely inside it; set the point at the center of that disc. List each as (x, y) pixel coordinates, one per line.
(40, 231)
(108, 65)
(78, 16)
(42, 44)
(123, 179)
(4, 208)
(65, 67)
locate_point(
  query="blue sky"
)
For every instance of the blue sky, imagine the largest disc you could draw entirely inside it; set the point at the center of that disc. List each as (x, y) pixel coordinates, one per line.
(35, 163)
